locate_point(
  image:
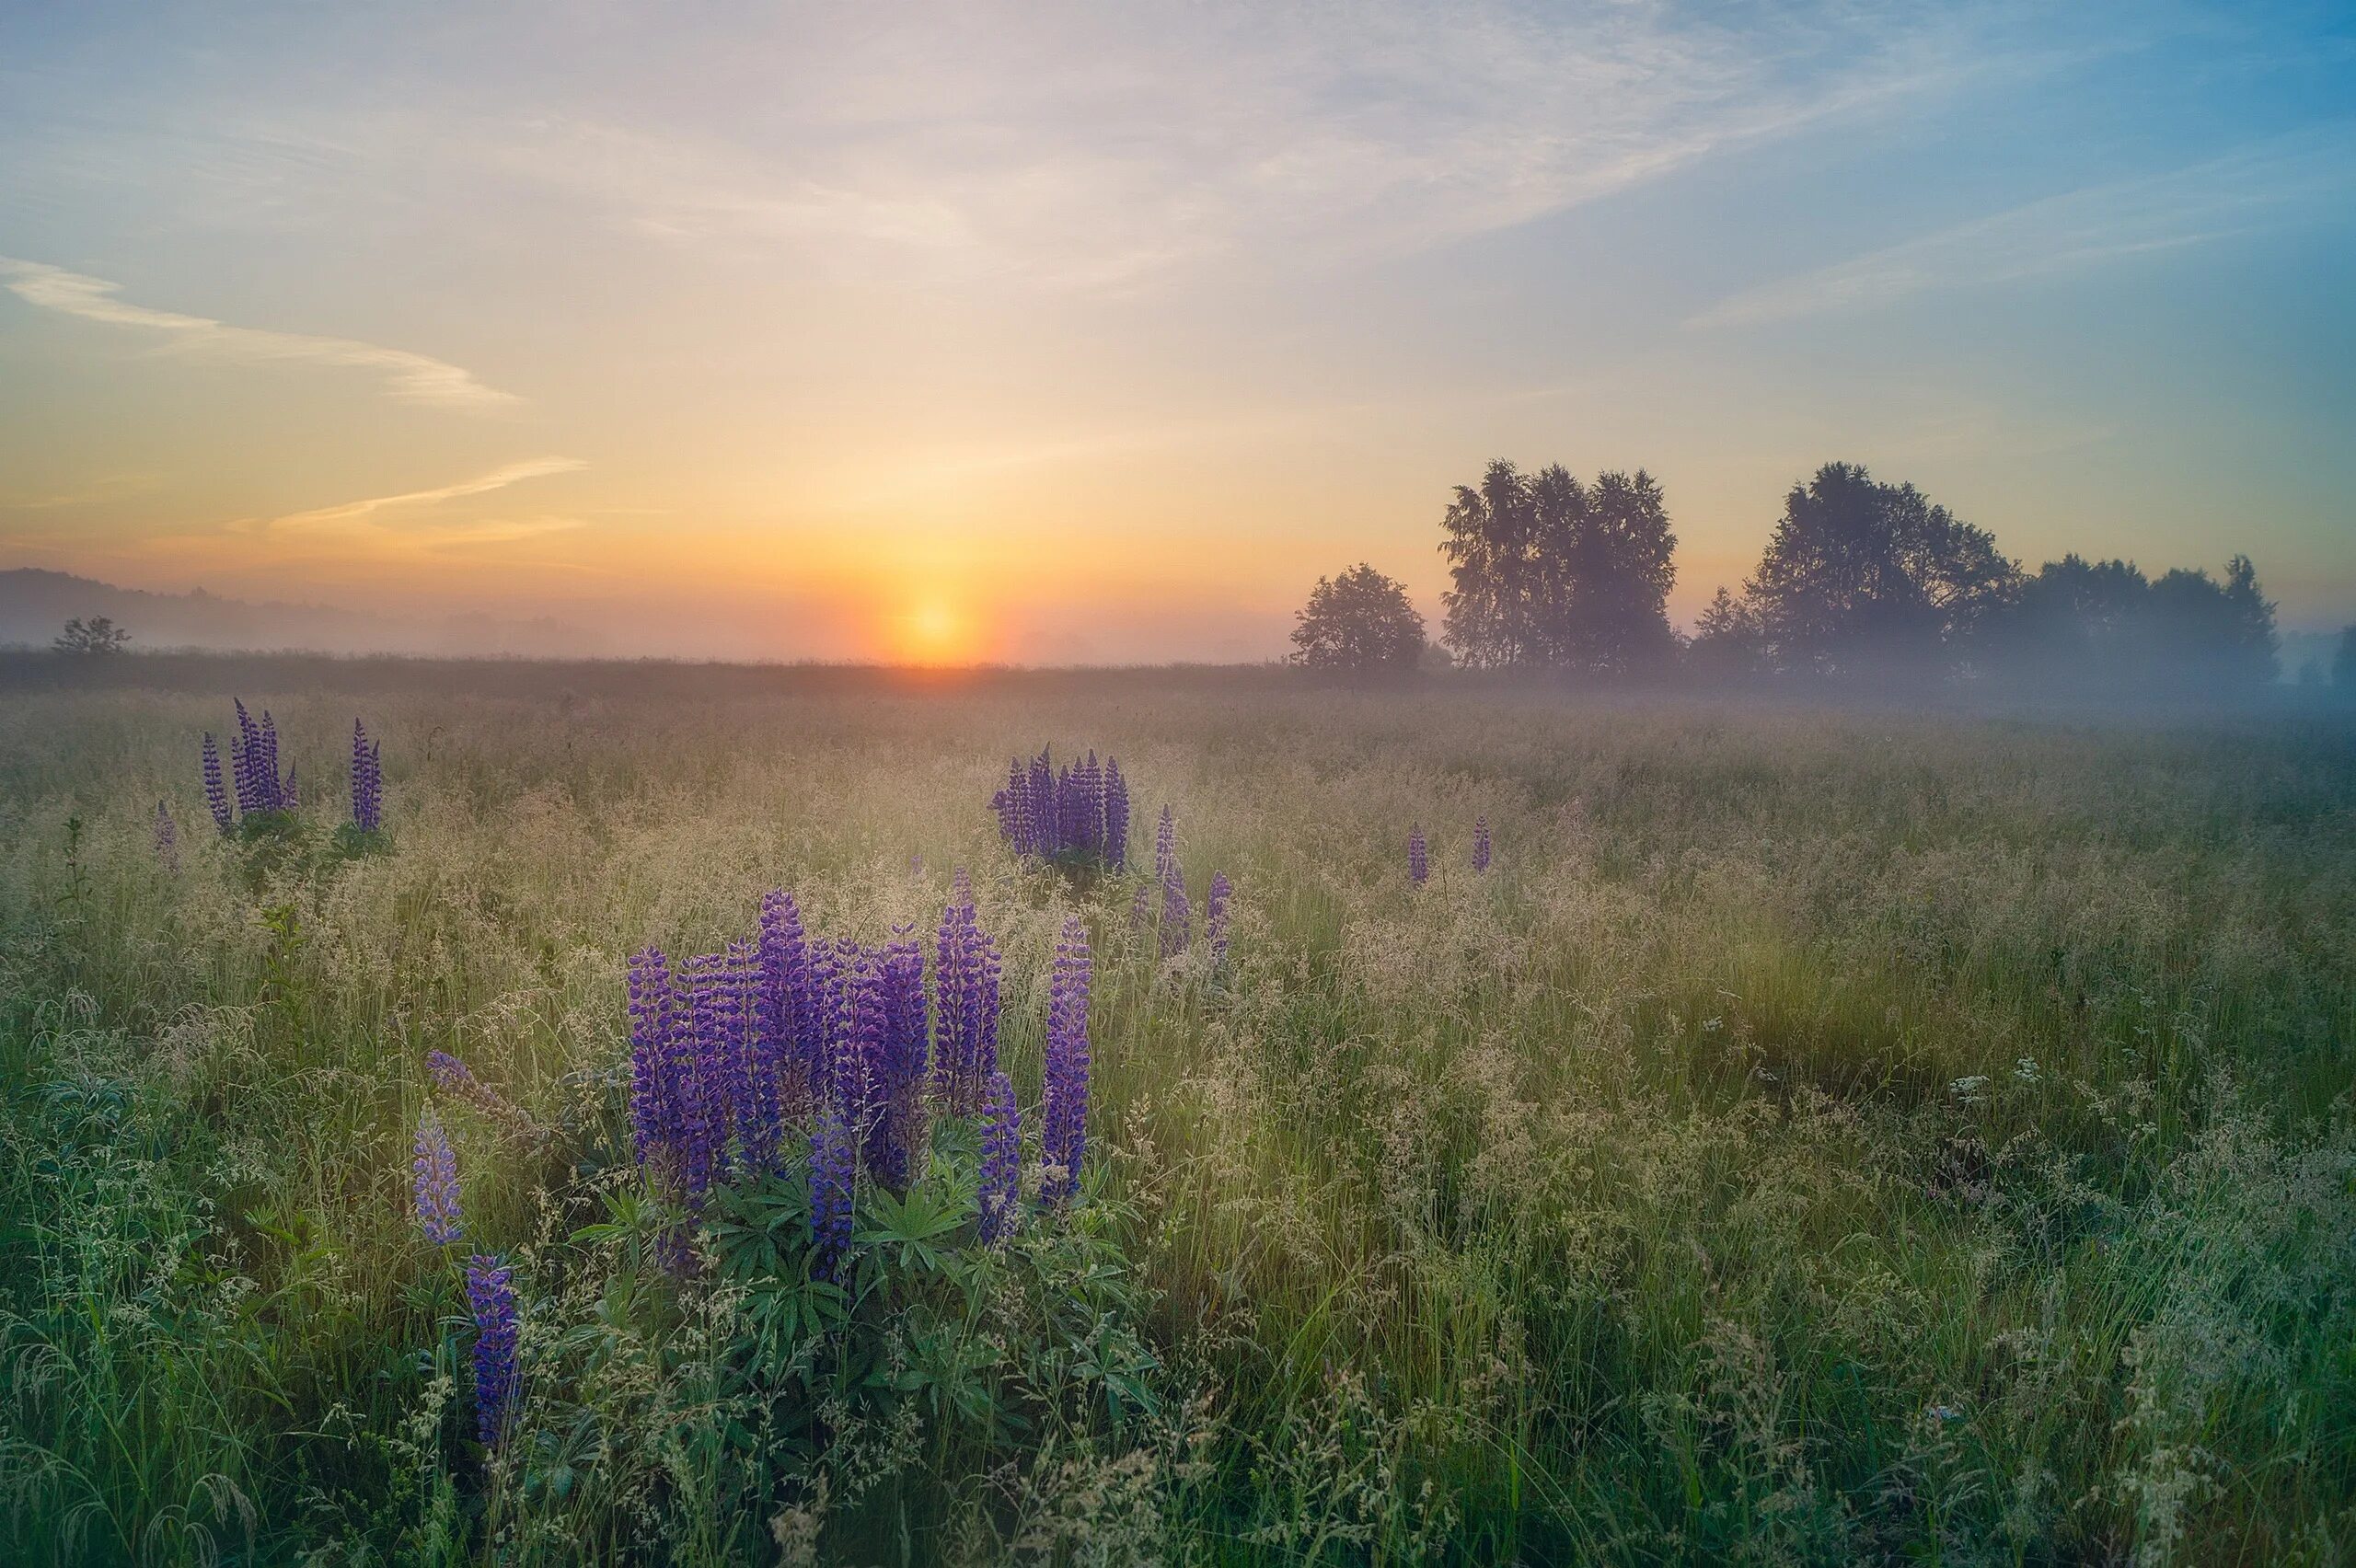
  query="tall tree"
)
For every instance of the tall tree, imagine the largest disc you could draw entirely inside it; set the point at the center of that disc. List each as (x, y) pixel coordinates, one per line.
(1549, 570)
(1361, 623)
(2215, 634)
(1862, 576)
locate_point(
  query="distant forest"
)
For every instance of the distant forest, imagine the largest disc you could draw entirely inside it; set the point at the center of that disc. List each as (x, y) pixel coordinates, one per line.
(1861, 581)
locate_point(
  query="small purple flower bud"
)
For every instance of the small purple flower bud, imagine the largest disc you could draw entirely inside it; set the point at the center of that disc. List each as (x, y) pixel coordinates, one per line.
(216, 796)
(1419, 867)
(1215, 916)
(1480, 846)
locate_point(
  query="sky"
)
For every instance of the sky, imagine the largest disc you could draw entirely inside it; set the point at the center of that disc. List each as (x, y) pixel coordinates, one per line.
(1068, 333)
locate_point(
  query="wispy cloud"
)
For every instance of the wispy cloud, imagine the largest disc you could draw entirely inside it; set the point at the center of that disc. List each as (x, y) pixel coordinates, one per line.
(412, 377)
(481, 484)
(2252, 187)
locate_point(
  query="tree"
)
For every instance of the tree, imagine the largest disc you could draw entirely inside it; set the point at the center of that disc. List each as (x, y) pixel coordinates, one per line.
(1548, 571)
(1727, 644)
(97, 635)
(1359, 622)
(2214, 634)
(1867, 576)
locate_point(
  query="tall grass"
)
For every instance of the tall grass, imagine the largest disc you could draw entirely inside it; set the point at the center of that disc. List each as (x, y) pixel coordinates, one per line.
(1820, 1137)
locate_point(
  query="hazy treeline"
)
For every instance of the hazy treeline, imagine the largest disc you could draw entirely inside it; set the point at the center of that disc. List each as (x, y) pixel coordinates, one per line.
(1860, 579)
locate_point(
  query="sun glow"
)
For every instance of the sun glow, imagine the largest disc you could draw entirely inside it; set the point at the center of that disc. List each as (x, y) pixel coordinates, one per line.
(932, 631)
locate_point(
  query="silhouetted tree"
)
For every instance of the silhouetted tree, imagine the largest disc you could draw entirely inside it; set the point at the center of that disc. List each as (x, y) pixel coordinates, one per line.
(2076, 622)
(1862, 576)
(2218, 634)
(1548, 571)
(99, 635)
(1359, 622)
(1727, 643)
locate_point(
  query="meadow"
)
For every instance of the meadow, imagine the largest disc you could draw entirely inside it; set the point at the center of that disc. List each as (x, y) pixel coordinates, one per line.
(1820, 1135)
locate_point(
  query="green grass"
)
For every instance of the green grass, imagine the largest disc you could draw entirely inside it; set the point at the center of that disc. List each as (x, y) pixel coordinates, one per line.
(1824, 1137)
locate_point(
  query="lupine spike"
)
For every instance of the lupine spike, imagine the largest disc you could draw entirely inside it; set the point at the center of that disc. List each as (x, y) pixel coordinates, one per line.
(898, 1082)
(655, 1114)
(782, 1003)
(368, 781)
(216, 794)
(841, 1123)
(1116, 815)
(1177, 916)
(490, 1293)
(433, 1182)
(1001, 1178)
(1065, 1113)
(1480, 846)
(1419, 867)
(1166, 848)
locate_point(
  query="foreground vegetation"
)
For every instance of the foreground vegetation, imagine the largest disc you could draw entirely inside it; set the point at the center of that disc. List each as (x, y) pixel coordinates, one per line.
(1819, 1138)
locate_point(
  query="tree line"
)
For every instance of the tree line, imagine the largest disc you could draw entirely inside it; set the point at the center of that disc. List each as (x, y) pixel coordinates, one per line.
(1861, 580)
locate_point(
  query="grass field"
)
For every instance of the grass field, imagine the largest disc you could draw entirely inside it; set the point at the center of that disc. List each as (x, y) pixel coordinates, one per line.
(1822, 1136)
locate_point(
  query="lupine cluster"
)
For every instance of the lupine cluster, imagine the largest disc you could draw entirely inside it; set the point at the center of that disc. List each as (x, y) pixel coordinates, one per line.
(1078, 812)
(168, 838)
(1480, 846)
(258, 785)
(1177, 910)
(1419, 865)
(490, 1293)
(434, 1184)
(1065, 1113)
(368, 781)
(728, 1048)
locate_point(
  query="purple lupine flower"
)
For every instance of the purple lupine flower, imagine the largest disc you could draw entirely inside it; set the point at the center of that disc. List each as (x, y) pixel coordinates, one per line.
(490, 1293)
(1067, 1073)
(1042, 805)
(368, 781)
(783, 1005)
(1480, 846)
(244, 762)
(655, 1115)
(1116, 815)
(841, 1123)
(1166, 848)
(1177, 916)
(1001, 1178)
(454, 1078)
(216, 795)
(1419, 866)
(895, 1087)
(168, 838)
(434, 1184)
(719, 1070)
(1215, 915)
(965, 999)
(723, 997)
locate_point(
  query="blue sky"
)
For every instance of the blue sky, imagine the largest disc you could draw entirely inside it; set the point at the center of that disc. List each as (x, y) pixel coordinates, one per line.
(1100, 332)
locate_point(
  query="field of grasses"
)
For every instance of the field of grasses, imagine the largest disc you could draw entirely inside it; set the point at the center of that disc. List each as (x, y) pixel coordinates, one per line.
(1819, 1136)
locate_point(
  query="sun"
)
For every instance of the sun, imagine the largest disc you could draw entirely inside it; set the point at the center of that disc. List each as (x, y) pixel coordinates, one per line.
(932, 631)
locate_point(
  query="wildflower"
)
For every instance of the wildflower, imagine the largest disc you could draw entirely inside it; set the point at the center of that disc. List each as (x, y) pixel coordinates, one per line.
(490, 1293)
(1001, 1182)
(168, 838)
(1419, 867)
(1215, 915)
(1166, 848)
(712, 1069)
(368, 781)
(1066, 1108)
(965, 1001)
(1177, 916)
(834, 1135)
(216, 795)
(786, 1019)
(434, 1185)
(1480, 846)
(896, 1083)
(1116, 815)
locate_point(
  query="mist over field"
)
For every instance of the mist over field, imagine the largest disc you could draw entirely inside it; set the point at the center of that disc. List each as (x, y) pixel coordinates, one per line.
(1179, 785)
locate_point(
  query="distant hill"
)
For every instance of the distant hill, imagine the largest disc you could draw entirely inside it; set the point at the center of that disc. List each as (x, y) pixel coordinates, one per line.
(35, 604)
